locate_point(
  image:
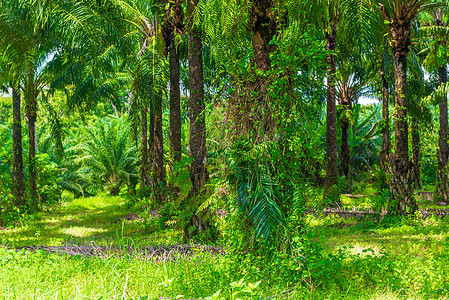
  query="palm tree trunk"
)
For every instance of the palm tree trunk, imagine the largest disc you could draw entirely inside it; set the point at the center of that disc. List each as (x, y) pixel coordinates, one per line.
(331, 189)
(386, 143)
(416, 153)
(442, 186)
(151, 143)
(264, 30)
(344, 150)
(17, 159)
(401, 183)
(173, 22)
(261, 37)
(31, 113)
(198, 172)
(175, 101)
(144, 166)
(159, 168)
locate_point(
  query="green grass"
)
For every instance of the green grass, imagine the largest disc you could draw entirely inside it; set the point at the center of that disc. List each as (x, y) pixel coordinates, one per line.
(399, 259)
(85, 219)
(407, 257)
(42, 276)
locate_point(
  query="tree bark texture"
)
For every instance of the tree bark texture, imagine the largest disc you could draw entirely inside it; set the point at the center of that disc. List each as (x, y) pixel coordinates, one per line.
(158, 167)
(151, 144)
(400, 114)
(31, 114)
(17, 159)
(175, 101)
(345, 152)
(401, 169)
(198, 171)
(442, 186)
(331, 189)
(416, 153)
(144, 167)
(263, 32)
(251, 108)
(344, 101)
(172, 24)
(264, 29)
(386, 143)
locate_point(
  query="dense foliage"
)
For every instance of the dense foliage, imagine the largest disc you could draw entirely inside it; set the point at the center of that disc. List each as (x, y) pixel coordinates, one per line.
(233, 120)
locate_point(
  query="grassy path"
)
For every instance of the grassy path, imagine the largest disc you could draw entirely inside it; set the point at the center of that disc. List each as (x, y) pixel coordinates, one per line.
(97, 219)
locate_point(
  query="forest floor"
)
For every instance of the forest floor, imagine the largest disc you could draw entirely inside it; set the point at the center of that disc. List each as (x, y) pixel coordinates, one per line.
(361, 259)
(100, 220)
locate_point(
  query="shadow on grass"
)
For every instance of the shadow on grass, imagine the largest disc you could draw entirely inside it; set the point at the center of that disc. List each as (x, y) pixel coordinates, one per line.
(398, 238)
(73, 223)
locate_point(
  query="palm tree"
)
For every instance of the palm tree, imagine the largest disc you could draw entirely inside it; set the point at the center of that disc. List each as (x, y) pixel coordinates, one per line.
(251, 29)
(198, 172)
(17, 161)
(351, 85)
(31, 31)
(366, 22)
(418, 88)
(172, 30)
(106, 150)
(399, 14)
(24, 27)
(327, 15)
(18, 176)
(435, 29)
(143, 28)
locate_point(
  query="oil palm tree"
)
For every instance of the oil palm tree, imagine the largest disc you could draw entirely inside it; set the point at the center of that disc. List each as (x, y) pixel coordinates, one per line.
(351, 85)
(366, 22)
(327, 17)
(30, 32)
(434, 30)
(399, 14)
(245, 38)
(106, 150)
(18, 176)
(198, 172)
(25, 43)
(172, 31)
(144, 33)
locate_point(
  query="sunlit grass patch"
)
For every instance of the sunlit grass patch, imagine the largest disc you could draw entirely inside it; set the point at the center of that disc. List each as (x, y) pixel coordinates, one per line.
(81, 231)
(96, 218)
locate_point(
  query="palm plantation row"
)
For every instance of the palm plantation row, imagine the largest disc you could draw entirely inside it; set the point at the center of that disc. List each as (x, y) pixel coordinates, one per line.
(253, 71)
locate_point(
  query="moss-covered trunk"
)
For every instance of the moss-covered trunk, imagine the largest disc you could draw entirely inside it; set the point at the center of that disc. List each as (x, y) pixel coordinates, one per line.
(416, 153)
(442, 186)
(31, 114)
(386, 143)
(331, 189)
(144, 167)
(198, 172)
(401, 169)
(17, 159)
(158, 165)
